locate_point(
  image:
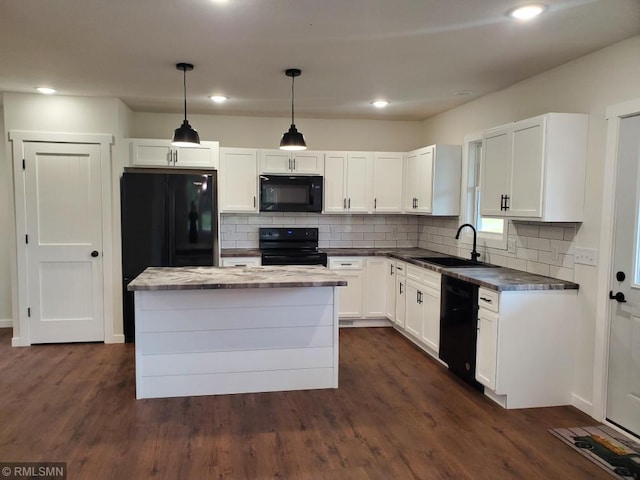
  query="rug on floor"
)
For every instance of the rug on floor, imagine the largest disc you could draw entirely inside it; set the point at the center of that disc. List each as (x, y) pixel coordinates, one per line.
(606, 447)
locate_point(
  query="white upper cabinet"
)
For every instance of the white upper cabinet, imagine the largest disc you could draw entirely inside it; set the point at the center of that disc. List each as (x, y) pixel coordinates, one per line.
(238, 185)
(160, 153)
(347, 182)
(387, 182)
(300, 163)
(535, 169)
(432, 180)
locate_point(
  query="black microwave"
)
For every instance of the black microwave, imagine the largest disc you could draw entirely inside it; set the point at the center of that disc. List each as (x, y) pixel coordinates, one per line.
(290, 193)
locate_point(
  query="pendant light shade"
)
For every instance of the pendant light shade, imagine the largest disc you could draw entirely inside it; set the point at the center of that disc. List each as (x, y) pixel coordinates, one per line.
(293, 139)
(185, 135)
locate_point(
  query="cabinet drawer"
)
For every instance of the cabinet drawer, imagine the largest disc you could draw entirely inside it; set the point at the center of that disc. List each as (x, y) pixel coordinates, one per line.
(346, 263)
(401, 269)
(489, 299)
(425, 276)
(241, 262)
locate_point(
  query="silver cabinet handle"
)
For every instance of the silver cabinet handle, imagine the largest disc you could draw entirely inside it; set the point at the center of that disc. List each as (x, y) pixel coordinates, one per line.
(175, 156)
(344, 203)
(294, 163)
(375, 203)
(170, 156)
(391, 269)
(254, 201)
(346, 264)
(289, 164)
(400, 288)
(349, 203)
(488, 300)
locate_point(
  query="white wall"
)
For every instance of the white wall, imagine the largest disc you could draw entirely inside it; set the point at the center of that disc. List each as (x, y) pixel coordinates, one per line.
(266, 132)
(6, 227)
(586, 85)
(32, 112)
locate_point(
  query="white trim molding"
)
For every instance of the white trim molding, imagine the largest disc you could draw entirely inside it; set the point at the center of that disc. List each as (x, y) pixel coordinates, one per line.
(6, 323)
(607, 227)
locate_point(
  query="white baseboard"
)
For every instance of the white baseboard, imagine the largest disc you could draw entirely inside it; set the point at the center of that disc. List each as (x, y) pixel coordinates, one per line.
(582, 404)
(115, 338)
(364, 322)
(17, 342)
(6, 323)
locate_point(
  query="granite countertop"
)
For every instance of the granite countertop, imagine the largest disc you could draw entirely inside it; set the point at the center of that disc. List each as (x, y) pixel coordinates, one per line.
(240, 252)
(206, 278)
(494, 278)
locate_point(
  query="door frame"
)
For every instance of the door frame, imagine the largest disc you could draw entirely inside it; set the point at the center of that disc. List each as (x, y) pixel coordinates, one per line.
(614, 115)
(21, 328)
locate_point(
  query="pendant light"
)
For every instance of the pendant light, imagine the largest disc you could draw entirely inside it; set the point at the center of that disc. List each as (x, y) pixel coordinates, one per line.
(293, 139)
(185, 136)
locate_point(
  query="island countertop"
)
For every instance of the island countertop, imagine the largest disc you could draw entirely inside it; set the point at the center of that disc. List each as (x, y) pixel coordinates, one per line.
(208, 278)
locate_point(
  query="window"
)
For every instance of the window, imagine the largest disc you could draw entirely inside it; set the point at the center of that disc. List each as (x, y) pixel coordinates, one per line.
(492, 232)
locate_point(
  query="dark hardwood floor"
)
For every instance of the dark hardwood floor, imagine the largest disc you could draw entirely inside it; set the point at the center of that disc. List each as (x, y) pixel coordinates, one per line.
(397, 415)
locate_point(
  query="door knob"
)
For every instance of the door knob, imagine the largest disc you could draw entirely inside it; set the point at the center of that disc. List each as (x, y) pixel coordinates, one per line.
(618, 297)
(94, 254)
(620, 276)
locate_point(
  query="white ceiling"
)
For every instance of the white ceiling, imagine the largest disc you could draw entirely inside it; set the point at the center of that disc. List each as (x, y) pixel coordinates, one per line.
(415, 53)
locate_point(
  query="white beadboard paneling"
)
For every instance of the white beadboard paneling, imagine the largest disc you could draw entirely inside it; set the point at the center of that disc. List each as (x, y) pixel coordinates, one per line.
(227, 340)
(232, 298)
(226, 383)
(236, 361)
(234, 318)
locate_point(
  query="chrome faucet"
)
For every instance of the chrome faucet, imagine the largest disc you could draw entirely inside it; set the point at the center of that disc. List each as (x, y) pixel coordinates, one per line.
(474, 254)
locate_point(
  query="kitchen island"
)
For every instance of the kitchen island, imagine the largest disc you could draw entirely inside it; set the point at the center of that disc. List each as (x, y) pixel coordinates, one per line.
(209, 330)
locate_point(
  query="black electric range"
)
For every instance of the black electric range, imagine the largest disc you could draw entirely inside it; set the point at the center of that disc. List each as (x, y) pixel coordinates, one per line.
(290, 246)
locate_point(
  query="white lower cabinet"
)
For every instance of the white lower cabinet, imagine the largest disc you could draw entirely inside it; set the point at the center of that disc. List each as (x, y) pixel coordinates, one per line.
(525, 346)
(421, 307)
(375, 291)
(487, 348)
(351, 296)
(401, 295)
(241, 261)
(390, 275)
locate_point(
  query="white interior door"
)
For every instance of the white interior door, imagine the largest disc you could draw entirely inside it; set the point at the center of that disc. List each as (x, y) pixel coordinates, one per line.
(623, 390)
(64, 243)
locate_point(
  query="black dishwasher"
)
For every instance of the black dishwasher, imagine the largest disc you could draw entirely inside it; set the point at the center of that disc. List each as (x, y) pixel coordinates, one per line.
(458, 328)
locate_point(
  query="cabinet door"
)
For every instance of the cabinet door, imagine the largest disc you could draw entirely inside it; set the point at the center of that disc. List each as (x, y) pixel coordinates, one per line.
(413, 322)
(351, 296)
(375, 294)
(425, 180)
(387, 182)
(335, 195)
(204, 155)
(410, 194)
(496, 170)
(390, 275)
(307, 163)
(238, 180)
(431, 318)
(275, 161)
(151, 153)
(358, 173)
(401, 301)
(487, 348)
(527, 169)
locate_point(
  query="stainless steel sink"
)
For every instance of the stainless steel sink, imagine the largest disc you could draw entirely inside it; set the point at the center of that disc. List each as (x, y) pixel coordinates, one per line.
(454, 262)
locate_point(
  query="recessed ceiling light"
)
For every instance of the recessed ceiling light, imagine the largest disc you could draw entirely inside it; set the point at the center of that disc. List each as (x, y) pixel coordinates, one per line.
(527, 12)
(218, 98)
(380, 103)
(46, 90)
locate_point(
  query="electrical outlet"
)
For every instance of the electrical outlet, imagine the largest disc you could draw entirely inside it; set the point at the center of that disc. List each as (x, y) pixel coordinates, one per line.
(586, 256)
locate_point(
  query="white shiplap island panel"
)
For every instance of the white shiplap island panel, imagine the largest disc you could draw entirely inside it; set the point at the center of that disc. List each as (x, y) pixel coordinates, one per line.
(208, 340)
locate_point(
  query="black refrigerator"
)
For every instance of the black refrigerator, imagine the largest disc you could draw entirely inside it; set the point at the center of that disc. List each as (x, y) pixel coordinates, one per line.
(167, 220)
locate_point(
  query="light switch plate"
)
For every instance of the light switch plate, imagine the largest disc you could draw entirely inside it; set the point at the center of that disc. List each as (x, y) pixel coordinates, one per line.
(585, 256)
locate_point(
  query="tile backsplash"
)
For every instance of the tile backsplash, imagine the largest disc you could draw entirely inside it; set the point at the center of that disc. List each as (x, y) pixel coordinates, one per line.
(535, 247)
(348, 231)
(542, 248)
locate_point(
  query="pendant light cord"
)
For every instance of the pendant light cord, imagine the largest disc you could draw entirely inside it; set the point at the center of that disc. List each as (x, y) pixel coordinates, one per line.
(293, 79)
(184, 72)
